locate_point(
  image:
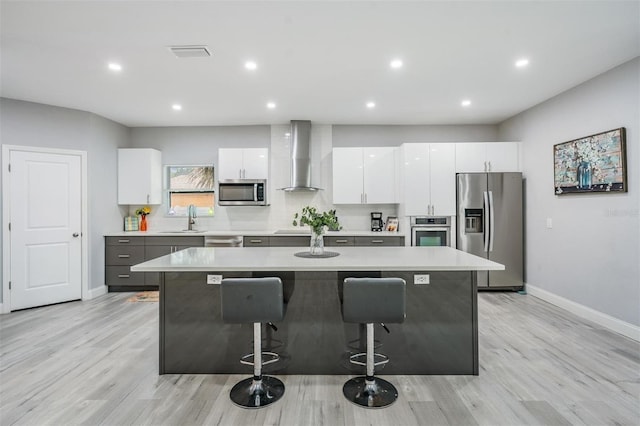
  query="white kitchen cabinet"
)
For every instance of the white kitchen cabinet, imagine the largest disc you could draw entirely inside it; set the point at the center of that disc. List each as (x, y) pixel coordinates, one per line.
(243, 163)
(428, 179)
(139, 176)
(364, 175)
(487, 157)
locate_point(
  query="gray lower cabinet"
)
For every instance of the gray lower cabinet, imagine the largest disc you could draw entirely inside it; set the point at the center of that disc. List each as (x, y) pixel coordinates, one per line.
(329, 241)
(334, 241)
(290, 241)
(120, 254)
(253, 241)
(379, 241)
(123, 252)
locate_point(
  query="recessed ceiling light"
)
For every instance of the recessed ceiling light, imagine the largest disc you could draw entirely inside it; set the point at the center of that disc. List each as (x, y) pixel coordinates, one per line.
(271, 105)
(521, 63)
(396, 63)
(371, 105)
(250, 65)
(176, 107)
(115, 67)
(465, 103)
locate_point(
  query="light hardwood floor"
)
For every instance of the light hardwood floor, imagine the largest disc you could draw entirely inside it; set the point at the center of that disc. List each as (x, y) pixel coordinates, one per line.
(96, 363)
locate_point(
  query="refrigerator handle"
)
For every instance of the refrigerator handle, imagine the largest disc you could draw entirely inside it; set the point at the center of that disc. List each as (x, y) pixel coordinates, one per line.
(485, 224)
(492, 225)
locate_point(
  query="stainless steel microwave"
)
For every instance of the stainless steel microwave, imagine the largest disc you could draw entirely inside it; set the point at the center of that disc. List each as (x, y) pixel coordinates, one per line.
(242, 192)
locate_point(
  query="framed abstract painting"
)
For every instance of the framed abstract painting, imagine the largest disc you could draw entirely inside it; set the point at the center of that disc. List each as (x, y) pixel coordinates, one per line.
(591, 164)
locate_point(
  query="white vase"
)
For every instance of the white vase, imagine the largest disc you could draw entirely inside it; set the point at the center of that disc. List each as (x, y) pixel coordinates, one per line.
(316, 246)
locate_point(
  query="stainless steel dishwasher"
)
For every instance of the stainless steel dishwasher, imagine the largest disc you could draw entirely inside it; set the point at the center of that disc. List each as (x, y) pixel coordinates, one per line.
(223, 241)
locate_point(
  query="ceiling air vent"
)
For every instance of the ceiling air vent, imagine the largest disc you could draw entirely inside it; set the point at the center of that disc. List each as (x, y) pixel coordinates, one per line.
(190, 51)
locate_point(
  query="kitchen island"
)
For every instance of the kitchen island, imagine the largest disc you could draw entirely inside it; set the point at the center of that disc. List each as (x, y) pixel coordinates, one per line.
(439, 335)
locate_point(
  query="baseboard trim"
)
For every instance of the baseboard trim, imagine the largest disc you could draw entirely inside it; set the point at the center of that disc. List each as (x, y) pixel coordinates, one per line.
(614, 324)
(95, 292)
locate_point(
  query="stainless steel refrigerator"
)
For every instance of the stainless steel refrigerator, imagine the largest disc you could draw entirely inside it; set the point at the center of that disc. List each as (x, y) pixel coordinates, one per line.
(490, 225)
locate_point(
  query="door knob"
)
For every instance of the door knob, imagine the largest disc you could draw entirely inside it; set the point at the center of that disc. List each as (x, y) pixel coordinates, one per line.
(76, 235)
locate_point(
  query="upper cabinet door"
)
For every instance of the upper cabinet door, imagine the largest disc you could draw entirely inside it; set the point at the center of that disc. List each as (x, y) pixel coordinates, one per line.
(416, 180)
(487, 157)
(502, 157)
(347, 176)
(243, 163)
(230, 163)
(442, 165)
(470, 157)
(379, 175)
(255, 163)
(139, 176)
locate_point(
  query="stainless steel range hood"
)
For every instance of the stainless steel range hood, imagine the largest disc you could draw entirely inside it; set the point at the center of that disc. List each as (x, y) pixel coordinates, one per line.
(300, 157)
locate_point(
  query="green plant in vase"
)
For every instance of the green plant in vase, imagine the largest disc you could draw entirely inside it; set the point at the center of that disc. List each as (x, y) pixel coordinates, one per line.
(318, 222)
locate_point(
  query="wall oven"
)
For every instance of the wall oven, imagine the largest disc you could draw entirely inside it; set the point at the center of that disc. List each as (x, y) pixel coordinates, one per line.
(242, 192)
(430, 231)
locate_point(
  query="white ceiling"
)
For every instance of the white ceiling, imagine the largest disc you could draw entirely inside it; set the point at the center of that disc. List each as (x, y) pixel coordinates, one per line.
(320, 61)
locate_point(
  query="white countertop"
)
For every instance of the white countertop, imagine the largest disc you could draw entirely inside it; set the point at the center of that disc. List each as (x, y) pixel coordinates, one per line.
(203, 259)
(278, 233)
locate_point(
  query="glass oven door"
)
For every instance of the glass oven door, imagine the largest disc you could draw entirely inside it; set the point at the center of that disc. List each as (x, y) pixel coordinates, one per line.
(430, 236)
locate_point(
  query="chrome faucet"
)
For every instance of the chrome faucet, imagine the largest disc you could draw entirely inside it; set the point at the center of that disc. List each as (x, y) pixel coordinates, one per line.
(191, 211)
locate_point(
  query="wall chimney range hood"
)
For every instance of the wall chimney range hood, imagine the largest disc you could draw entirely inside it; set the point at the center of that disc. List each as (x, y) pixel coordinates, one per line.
(300, 144)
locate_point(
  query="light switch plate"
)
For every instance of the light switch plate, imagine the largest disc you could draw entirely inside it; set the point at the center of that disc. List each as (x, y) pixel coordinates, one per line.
(549, 223)
(421, 279)
(214, 279)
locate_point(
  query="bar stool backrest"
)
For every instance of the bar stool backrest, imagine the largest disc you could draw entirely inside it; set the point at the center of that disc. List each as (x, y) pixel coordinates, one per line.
(251, 300)
(374, 300)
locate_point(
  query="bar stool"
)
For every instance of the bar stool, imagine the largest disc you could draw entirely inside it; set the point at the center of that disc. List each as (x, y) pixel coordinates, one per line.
(255, 300)
(372, 300)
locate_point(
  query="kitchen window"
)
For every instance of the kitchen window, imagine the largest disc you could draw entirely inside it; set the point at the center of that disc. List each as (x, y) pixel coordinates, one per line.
(187, 185)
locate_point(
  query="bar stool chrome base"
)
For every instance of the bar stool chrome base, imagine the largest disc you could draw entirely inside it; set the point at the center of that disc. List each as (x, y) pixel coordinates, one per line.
(252, 393)
(370, 392)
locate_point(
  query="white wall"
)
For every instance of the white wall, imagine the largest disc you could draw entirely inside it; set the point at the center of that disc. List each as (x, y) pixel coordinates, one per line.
(37, 125)
(591, 256)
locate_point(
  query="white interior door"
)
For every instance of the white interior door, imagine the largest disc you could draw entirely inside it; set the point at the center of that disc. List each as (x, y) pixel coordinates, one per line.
(46, 226)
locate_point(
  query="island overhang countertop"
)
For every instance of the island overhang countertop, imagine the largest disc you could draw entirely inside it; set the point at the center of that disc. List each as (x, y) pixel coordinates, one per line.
(202, 259)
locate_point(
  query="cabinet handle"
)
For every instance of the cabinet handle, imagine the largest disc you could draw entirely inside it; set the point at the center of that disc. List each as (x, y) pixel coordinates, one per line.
(124, 256)
(489, 163)
(244, 173)
(255, 241)
(342, 241)
(377, 241)
(124, 276)
(365, 198)
(123, 241)
(148, 198)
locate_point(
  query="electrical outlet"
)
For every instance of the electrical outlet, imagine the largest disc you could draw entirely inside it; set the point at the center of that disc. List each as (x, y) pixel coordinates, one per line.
(549, 223)
(421, 279)
(214, 279)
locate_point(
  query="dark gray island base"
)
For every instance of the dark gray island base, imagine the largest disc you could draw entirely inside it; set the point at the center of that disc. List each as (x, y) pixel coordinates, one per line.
(439, 335)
